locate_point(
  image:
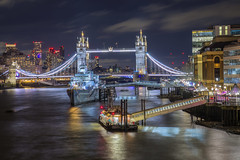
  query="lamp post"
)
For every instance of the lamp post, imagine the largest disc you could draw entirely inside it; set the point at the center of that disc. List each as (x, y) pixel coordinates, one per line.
(212, 91)
(236, 98)
(225, 94)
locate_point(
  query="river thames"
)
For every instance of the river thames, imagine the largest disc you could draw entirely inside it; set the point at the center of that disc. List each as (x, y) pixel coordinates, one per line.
(45, 126)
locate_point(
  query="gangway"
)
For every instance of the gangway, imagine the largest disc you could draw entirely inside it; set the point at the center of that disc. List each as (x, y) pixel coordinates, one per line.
(144, 83)
(178, 105)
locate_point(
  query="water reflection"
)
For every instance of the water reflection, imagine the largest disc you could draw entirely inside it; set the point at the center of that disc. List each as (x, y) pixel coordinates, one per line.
(75, 123)
(175, 132)
(49, 129)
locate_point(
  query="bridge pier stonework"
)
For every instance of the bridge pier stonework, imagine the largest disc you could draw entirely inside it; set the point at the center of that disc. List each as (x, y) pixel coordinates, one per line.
(11, 80)
(141, 58)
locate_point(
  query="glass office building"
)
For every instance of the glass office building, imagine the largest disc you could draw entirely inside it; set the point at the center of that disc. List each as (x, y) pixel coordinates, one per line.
(199, 37)
(232, 63)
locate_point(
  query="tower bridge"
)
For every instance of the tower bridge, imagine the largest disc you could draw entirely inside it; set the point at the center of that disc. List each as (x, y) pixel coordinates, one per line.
(79, 62)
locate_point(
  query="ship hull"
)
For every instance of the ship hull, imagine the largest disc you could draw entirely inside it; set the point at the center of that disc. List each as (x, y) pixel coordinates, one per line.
(78, 96)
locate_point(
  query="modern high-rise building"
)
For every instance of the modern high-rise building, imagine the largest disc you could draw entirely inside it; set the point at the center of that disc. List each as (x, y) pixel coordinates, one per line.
(12, 54)
(54, 58)
(10, 47)
(232, 62)
(201, 37)
(37, 56)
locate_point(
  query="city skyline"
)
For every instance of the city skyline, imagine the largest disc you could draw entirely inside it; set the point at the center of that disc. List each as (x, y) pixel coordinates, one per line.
(164, 23)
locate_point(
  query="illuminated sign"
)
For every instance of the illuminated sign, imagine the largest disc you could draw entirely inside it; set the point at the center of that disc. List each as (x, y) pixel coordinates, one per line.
(11, 45)
(39, 55)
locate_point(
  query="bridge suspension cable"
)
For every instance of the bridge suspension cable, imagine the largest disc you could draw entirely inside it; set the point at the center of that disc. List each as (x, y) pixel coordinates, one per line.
(164, 67)
(4, 73)
(52, 72)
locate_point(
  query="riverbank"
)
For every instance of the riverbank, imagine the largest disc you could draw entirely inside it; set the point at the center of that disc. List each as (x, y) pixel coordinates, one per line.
(29, 87)
(218, 125)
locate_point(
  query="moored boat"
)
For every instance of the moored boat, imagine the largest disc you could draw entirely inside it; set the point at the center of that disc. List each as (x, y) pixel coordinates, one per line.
(112, 120)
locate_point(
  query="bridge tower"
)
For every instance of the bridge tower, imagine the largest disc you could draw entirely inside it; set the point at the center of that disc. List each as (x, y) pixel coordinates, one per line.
(82, 56)
(12, 75)
(141, 57)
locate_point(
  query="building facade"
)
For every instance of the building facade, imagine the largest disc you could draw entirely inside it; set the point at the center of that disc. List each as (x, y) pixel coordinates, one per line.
(54, 58)
(201, 37)
(232, 63)
(208, 65)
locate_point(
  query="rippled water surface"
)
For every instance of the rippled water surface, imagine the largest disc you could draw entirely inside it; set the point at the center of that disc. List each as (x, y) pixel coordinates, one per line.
(41, 124)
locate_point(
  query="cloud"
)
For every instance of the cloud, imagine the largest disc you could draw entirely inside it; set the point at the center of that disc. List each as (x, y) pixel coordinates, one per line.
(130, 25)
(209, 14)
(10, 3)
(99, 13)
(151, 8)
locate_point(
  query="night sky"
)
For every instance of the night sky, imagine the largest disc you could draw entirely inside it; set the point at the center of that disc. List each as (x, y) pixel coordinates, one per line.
(167, 24)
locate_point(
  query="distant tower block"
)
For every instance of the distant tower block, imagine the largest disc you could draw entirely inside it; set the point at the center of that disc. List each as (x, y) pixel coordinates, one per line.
(82, 46)
(141, 58)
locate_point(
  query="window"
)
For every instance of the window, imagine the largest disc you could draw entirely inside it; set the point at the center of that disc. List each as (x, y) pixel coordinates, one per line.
(220, 30)
(217, 74)
(216, 60)
(226, 30)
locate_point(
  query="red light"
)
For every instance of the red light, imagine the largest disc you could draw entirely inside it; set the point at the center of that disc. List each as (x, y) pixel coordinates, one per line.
(211, 97)
(113, 113)
(182, 52)
(172, 62)
(29, 55)
(96, 57)
(182, 62)
(101, 107)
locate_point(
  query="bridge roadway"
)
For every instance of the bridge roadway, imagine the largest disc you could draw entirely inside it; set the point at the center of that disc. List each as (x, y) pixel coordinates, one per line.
(168, 108)
(105, 74)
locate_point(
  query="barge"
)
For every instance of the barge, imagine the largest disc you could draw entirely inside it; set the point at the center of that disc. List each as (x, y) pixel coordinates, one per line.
(112, 119)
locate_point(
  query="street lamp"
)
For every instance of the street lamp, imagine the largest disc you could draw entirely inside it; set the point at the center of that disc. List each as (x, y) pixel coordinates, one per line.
(236, 98)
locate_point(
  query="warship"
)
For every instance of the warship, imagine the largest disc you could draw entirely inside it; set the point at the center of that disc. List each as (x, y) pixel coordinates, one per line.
(84, 84)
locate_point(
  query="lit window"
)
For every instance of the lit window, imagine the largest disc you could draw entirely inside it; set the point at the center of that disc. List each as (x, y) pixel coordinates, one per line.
(226, 32)
(220, 30)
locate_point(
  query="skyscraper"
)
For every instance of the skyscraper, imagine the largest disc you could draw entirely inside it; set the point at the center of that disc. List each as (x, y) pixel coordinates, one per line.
(37, 56)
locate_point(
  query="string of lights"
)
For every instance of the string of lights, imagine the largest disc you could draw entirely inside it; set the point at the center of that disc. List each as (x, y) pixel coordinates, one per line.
(164, 67)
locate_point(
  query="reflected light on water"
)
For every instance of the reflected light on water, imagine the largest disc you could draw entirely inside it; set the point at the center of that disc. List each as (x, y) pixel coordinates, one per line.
(74, 119)
(115, 143)
(175, 131)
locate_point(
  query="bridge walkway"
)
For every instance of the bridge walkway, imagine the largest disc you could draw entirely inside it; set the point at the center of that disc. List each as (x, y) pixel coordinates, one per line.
(145, 83)
(168, 108)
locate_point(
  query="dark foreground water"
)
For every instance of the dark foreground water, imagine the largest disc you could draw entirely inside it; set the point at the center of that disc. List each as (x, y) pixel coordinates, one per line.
(46, 127)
